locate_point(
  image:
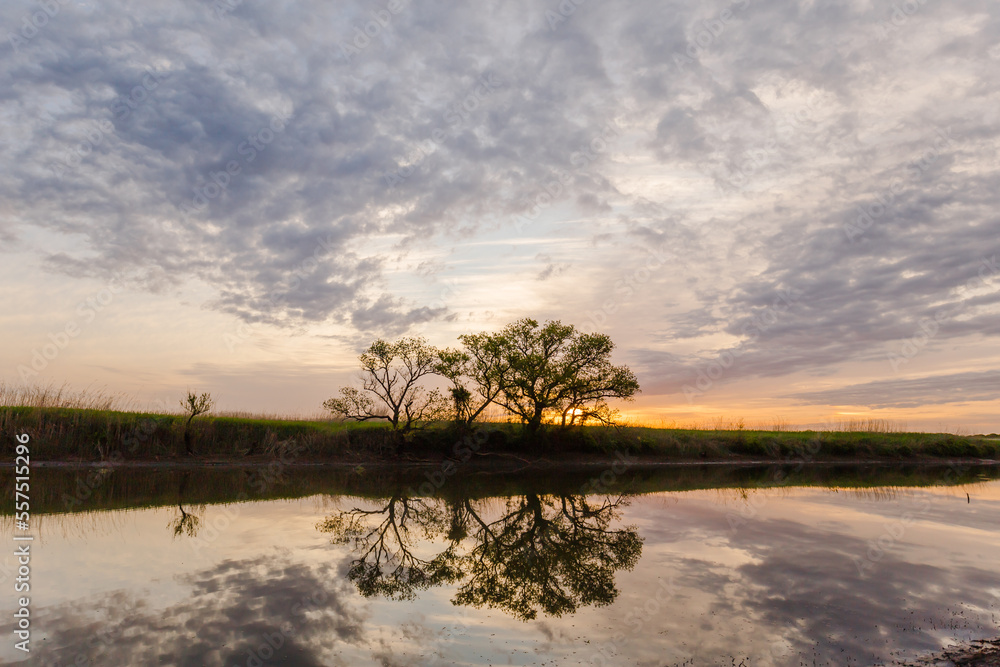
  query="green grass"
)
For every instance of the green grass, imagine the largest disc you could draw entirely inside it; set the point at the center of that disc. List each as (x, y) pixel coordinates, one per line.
(808, 445)
(73, 434)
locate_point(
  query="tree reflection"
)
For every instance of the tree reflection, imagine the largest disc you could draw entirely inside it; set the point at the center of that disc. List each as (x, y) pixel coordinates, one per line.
(552, 554)
(543, 553)
(385, 539)
(188, 522)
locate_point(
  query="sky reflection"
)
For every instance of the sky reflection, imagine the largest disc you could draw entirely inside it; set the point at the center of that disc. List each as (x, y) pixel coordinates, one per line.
(770, 577)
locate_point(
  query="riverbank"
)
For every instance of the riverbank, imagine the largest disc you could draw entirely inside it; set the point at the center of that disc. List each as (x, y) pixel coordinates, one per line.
(80, 435)
(983, 653)
(59, 487)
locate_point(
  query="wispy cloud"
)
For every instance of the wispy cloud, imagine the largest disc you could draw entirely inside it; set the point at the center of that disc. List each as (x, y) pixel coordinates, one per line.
(826, 149)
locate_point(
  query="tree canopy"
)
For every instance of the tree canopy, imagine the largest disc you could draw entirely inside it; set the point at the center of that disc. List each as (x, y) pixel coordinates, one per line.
(542, 553)
(555, 368)
(391, 373)
(536, 372)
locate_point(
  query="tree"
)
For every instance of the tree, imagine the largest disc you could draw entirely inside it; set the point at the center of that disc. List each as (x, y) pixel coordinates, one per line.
(194, 405)
(390, 385)
(556, 369)
(187, 523)
(545, 553)
(482, 364)
(386, 539)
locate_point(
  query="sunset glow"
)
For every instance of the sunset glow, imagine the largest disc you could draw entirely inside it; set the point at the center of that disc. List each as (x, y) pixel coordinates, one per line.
(781, 213)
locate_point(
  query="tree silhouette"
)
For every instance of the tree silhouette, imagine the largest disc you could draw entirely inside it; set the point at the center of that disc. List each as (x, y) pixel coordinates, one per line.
(195, 405)
(533, 371)
(482, 364)
(385, 539)
(390, 390)
(547, 553)
(552, 554)
(188, 522)
(556, 369)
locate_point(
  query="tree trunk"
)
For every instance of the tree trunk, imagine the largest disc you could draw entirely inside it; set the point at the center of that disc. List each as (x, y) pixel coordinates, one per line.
(187, 436)
(534, 425)
(400, 442)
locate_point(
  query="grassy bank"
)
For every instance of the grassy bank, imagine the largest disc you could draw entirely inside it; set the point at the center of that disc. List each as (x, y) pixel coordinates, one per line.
(84, 489)
(70, 434)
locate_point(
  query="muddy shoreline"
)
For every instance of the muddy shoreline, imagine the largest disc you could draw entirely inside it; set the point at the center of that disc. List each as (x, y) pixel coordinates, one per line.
(503, 462)
(980, 653)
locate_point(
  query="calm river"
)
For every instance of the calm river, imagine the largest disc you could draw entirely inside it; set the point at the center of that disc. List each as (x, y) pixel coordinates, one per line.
(698, 565)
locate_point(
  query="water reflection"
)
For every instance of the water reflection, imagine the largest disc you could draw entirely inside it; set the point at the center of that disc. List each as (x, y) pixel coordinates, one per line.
(386, 538)
(511, 571)
(548, 553)
(187, 522)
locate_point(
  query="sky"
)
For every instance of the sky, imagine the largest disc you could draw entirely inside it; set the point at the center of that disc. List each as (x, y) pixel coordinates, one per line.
(782, 212)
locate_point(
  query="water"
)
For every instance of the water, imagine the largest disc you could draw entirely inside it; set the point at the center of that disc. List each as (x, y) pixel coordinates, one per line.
(700, 565)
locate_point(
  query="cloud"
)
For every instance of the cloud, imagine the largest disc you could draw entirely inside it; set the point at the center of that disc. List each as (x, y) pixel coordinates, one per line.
(296, 612)
(910, 392)
(827, 150)
(790, 590)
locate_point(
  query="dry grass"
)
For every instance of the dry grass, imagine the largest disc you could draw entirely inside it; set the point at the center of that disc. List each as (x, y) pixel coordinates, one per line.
(51, 396)
(771, 424)
(871, 425)
(318, 416)
(63, 396)
(719, 423)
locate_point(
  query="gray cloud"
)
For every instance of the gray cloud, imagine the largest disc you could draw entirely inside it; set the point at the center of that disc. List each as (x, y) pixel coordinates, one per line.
(802, 580)
(910, 392)
(296, 612)
(781, 109)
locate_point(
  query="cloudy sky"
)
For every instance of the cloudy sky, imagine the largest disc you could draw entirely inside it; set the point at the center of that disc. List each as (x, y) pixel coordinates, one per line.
(777, 210)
